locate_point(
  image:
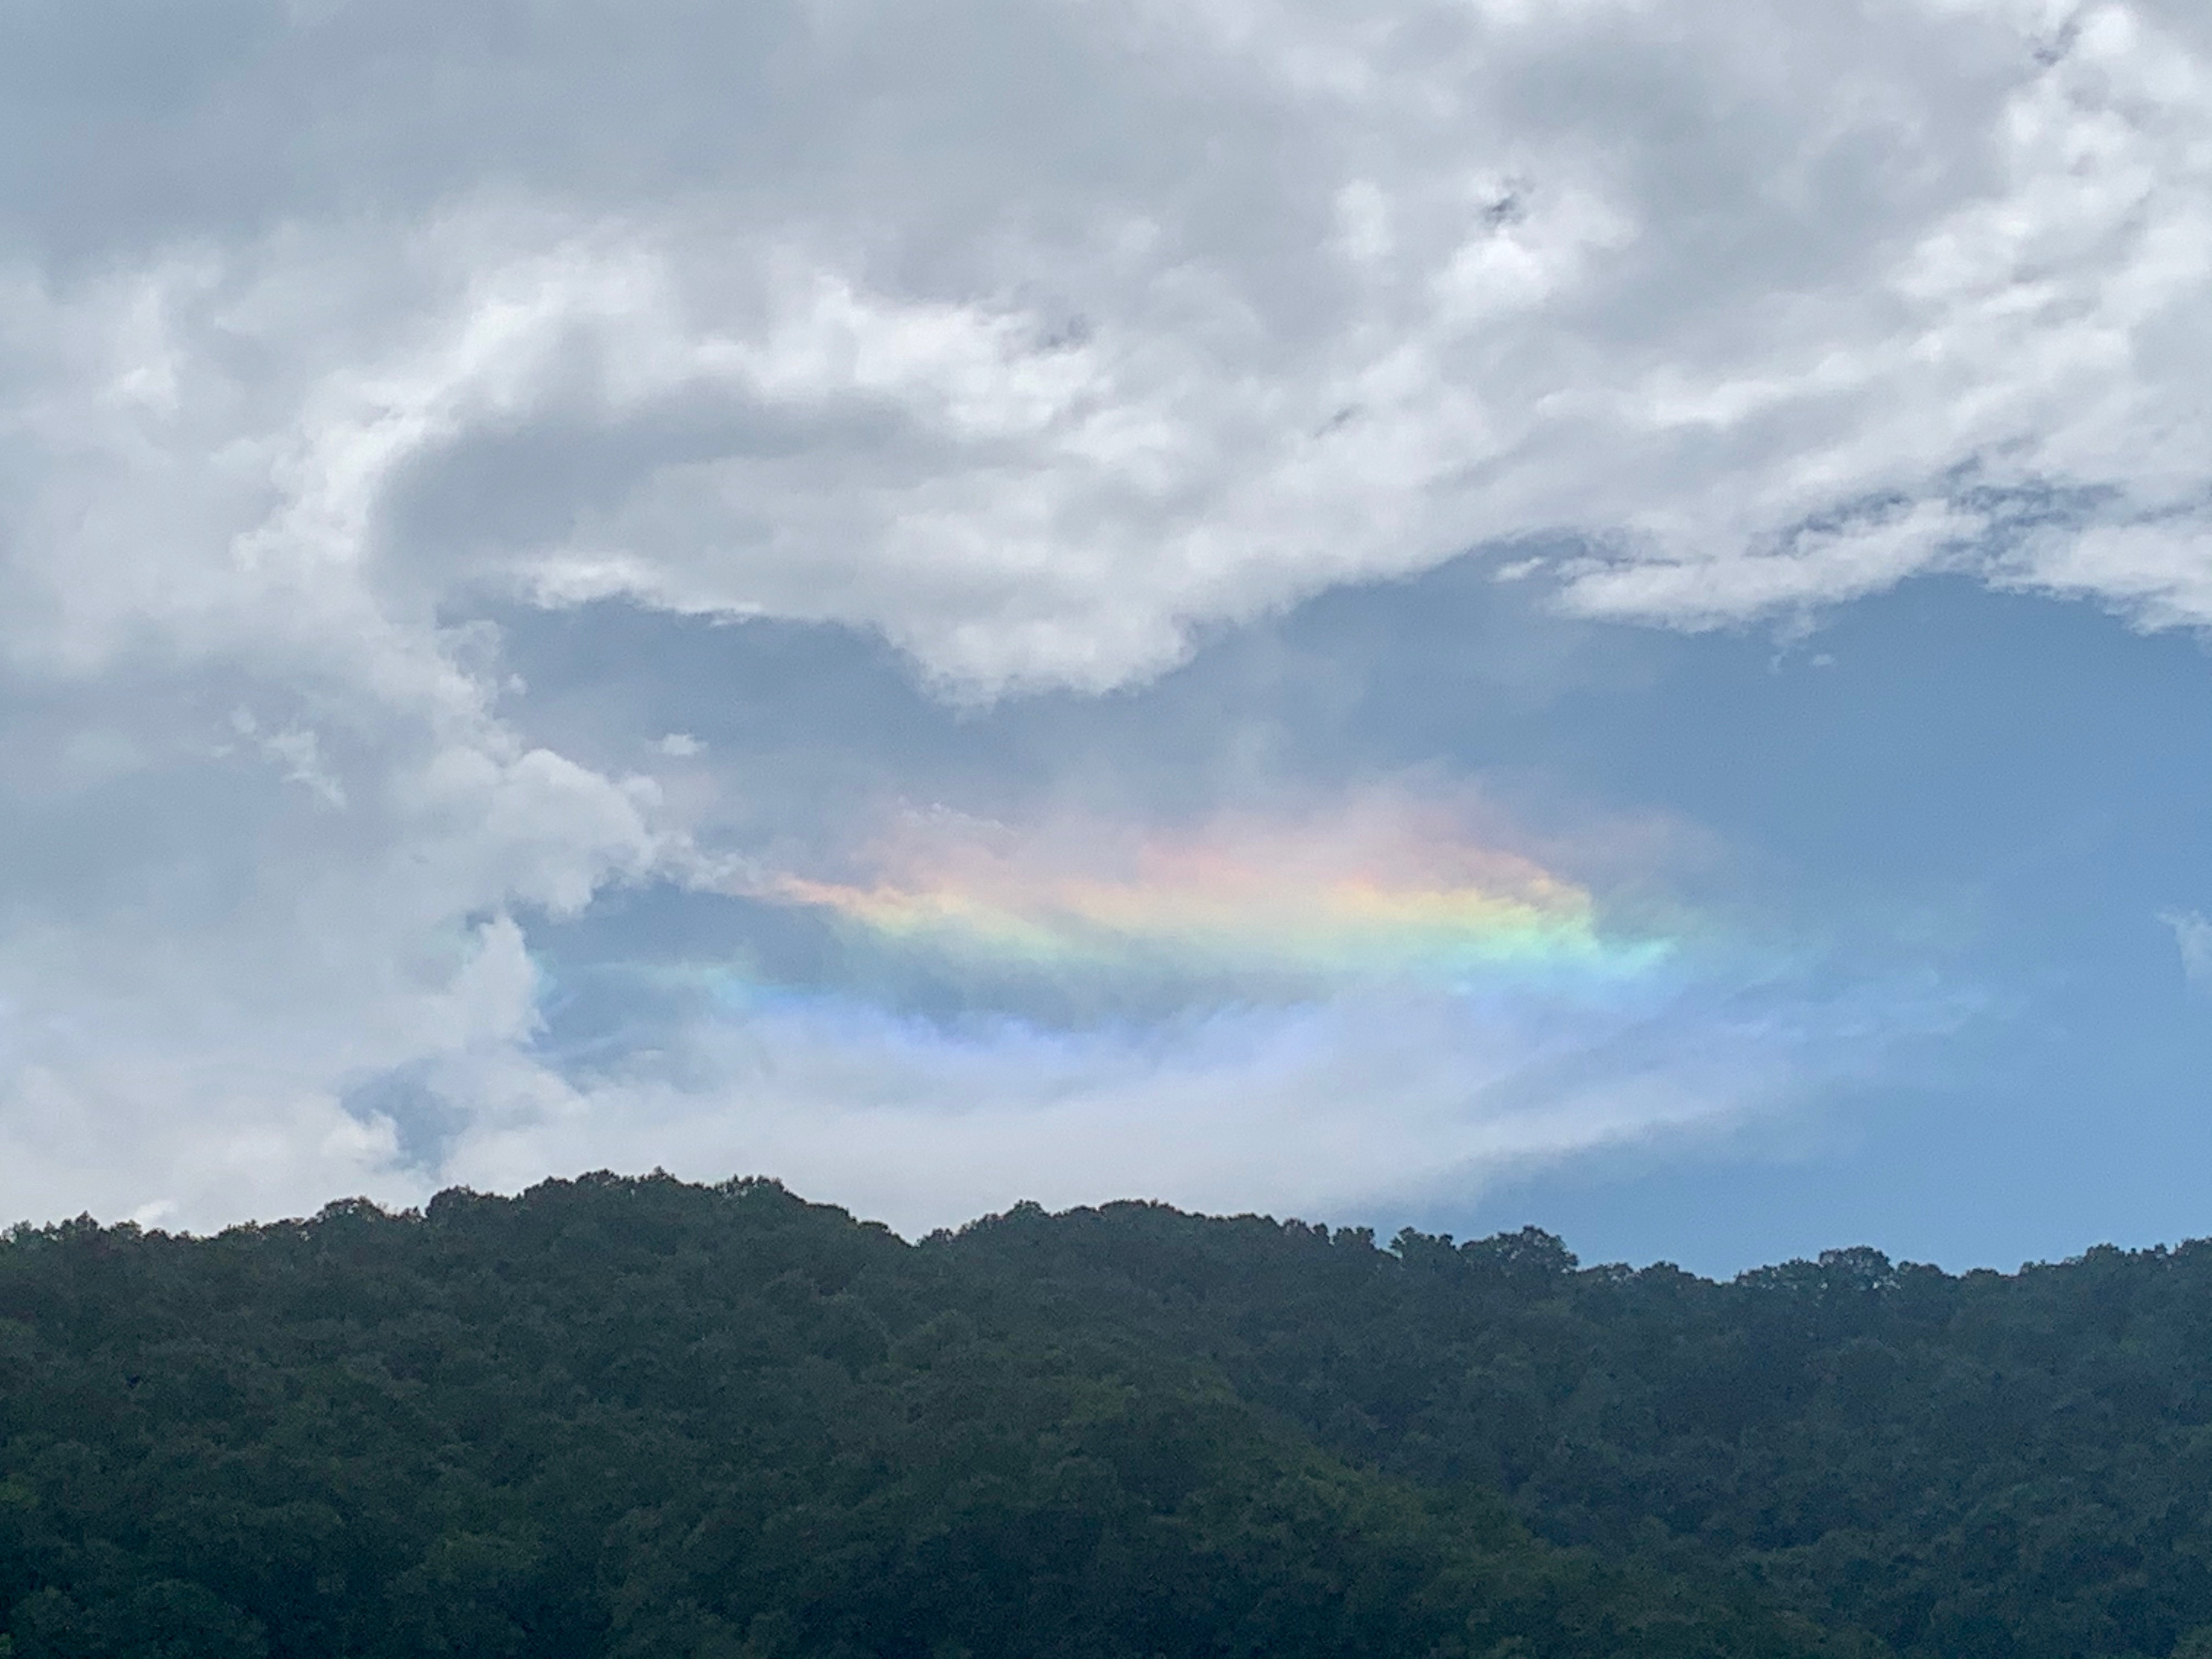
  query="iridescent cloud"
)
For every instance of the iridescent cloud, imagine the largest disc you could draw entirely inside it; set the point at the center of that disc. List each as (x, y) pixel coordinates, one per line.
(1383, 890)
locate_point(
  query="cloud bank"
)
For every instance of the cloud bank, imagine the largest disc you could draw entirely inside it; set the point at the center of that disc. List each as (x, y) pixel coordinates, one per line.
(1035, 335)
(1359, 1102)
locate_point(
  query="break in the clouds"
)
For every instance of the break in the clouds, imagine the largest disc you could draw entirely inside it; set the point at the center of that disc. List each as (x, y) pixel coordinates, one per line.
(1052, 343)
(1362, 1003)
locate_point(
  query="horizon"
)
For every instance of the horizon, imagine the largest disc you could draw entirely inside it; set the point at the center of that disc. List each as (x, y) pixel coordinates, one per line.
(1371, 1235)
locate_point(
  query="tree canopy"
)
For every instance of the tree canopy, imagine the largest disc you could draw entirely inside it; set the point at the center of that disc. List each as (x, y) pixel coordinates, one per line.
(636, 1417)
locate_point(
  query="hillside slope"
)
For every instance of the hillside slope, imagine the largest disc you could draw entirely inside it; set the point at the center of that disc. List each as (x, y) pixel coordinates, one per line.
(637, 1417)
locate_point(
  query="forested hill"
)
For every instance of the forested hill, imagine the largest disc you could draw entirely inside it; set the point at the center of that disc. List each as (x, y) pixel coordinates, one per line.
(640, 1417)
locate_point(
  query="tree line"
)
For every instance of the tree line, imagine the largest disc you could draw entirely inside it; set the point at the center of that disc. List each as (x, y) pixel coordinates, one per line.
(641, 1418)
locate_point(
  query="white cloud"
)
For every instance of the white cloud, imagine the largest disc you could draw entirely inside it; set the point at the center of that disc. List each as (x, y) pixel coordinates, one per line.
(2193, 933)
(1322, 1109)
(1031, 336)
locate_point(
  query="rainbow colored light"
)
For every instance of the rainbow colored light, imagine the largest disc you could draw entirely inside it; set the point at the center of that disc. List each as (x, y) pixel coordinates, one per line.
(1395, 895)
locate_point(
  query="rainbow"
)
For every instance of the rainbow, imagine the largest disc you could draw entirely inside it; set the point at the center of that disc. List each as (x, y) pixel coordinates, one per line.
(1393, 898)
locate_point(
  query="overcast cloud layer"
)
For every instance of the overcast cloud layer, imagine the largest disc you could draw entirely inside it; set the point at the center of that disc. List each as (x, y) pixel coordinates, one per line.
(1037, 338)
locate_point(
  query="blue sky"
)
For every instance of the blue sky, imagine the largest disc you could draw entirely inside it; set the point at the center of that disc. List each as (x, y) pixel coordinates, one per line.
(1465, 613)
(1954, 807)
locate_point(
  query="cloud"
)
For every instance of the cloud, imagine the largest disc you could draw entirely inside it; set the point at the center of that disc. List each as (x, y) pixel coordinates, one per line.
(1034, 337)
(1328, 1108)
(1376, 886)
(209, 930)
(2193, 933)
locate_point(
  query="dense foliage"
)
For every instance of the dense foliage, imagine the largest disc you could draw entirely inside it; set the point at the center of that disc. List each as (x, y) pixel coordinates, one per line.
(639, 1418)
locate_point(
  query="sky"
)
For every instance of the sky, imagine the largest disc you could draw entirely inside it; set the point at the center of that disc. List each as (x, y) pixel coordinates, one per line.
(1448, 612)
